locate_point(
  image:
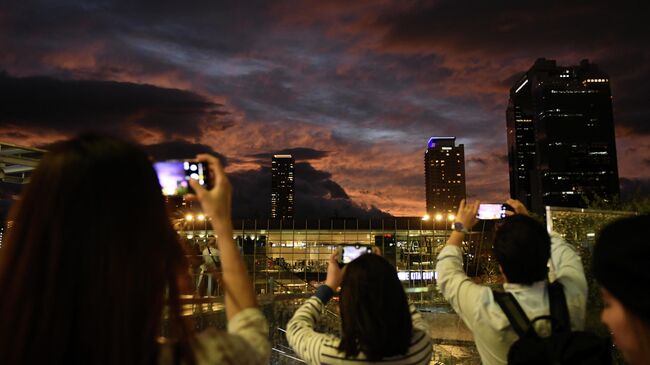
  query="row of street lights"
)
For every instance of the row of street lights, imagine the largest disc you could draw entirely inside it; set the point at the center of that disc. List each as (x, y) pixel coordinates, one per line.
(190, 217)
(438, 217)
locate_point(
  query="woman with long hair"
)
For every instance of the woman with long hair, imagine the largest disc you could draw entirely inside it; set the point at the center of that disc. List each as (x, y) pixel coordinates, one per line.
(91, 266)
(377, 323)
(621, 259)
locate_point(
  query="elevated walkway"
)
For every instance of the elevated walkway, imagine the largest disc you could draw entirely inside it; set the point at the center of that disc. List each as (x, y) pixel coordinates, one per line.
(17, 162)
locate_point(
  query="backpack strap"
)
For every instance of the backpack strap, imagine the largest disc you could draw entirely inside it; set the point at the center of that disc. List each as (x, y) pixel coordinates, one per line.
(515, 314)
(559, 310)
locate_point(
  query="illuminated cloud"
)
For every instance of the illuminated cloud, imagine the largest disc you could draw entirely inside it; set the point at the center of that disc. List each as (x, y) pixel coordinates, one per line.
(367, 82)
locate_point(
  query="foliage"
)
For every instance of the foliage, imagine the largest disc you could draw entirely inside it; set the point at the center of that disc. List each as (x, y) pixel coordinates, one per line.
(641, 205)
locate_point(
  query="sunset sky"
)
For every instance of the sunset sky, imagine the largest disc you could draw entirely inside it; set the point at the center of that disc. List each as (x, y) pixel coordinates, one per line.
(353, 89)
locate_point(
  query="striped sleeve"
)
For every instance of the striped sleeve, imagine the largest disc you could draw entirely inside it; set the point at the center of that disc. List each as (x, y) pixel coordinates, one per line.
(302, 337)
(418, 320)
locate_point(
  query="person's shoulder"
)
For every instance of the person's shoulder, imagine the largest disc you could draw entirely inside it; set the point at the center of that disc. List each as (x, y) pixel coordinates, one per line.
(214, 346)
(210, 346)
(489, 313)
(419, 336)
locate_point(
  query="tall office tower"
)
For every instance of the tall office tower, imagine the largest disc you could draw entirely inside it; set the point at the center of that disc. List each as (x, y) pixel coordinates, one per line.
(282, 187)
(444, 172)
(561, 147)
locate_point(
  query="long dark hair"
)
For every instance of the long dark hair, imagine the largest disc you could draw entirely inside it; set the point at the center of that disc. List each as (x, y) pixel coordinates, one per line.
(375, 314)
(90, 261)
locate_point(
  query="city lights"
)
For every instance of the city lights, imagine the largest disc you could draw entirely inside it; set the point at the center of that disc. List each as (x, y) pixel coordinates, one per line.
(189, 217)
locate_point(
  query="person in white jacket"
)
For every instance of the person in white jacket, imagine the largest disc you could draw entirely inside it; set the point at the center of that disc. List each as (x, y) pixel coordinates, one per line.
(522, 248)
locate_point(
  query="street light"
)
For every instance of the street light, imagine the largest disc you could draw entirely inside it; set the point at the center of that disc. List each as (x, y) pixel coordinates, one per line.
(189, 217)
(426, 217)
(450, 217)
(438, 217)
(200, 217)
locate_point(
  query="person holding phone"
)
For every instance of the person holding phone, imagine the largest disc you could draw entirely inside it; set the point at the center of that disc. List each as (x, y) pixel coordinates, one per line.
(522, 247)
(92, 271)
(620, 265)
(377, 323)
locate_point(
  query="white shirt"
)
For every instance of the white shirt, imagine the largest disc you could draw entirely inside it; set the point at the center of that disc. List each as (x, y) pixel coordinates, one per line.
(475, 303)
(210, 255)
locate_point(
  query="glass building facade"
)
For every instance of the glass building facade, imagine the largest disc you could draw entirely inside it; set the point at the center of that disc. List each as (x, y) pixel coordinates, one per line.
(560, 132)
(287, 255)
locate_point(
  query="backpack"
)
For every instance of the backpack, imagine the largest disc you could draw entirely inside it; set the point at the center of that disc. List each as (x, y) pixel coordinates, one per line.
(563, 346)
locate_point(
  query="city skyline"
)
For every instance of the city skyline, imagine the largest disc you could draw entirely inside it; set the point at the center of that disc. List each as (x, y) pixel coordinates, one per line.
(351, 90)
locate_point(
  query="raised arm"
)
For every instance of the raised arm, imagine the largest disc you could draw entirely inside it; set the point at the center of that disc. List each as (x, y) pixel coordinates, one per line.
(216, 204)
(457, 288)
(302, 337)
(566, 265)
(247, 342)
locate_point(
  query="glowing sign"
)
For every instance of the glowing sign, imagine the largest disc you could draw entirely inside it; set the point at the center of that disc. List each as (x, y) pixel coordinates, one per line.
(433, 140)
(416, 275)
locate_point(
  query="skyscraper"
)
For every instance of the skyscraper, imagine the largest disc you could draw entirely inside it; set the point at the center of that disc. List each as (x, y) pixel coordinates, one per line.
(561, 147)
(444, 172)
(282, 187)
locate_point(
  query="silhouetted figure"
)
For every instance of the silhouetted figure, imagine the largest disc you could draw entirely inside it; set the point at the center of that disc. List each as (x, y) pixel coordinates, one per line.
(92, 267)
(377, 322)
(620, 264)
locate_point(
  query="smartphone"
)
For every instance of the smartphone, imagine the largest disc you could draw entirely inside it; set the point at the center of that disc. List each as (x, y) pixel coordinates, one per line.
(174, 176)
(491, 211)
(351, 252)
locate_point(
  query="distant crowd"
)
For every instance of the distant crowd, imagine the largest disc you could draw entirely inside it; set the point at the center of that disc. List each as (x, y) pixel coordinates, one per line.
(84, 280)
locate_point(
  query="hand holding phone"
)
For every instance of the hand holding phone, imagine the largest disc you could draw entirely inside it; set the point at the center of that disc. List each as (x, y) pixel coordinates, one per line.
(491, 211)
(216, 199)
(351, 252)
(514, 206)
(174, 176)
(334, 272)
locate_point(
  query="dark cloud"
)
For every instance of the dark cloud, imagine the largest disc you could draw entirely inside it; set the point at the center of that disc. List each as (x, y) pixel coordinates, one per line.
(496, 27)
(634, 189)
(317, 195)
(316, 183)
(181, 150)
(488, 159)
(251, 193)
(298, 153)
(512, 79)
(117, 107)
(478, 161)
(229, 26)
